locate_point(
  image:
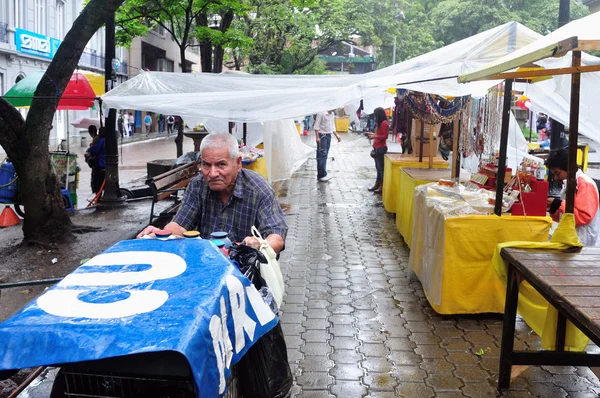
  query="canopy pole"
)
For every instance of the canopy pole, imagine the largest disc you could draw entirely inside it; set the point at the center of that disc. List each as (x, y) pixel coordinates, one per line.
(503, 144)
(245, 127)
(573, 134)
(530, 124)
(455, 154)
(68, 148)
(431, 146)
(421, 134)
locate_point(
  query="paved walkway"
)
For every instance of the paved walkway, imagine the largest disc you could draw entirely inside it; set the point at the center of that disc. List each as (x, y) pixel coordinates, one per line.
(357, 326)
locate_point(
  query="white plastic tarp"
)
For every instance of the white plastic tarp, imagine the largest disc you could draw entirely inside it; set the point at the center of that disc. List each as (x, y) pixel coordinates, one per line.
(257, 98)
(553, 96)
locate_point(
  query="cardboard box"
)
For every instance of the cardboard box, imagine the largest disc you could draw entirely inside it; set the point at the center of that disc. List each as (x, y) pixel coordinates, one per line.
(416, 139)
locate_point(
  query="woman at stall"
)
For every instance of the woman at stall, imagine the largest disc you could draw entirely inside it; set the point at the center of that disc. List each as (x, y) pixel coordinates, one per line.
(587, 216)
(379, 137)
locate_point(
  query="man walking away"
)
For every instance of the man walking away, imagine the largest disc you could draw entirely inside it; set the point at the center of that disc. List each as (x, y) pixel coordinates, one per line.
(170, 121)
(324, 128)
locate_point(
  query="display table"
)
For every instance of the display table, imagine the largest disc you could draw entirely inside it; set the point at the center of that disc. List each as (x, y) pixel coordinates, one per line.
(451, 253)
(409, 180)
(260, 166)
(392, 164)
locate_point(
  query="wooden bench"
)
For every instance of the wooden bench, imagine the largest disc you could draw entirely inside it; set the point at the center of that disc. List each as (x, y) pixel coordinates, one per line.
(570, 281)
(168, 185)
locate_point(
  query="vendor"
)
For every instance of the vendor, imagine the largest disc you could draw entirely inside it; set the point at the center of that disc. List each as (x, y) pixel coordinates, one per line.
(225, 197)
(587, 216)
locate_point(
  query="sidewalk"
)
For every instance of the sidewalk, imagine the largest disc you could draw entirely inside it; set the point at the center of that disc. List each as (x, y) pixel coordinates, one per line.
(356, 325)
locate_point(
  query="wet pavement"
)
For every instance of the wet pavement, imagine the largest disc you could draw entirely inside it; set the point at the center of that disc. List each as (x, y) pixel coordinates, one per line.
(356, 325)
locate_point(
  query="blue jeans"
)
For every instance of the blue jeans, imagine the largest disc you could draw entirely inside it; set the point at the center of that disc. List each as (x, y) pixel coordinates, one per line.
(322, 152)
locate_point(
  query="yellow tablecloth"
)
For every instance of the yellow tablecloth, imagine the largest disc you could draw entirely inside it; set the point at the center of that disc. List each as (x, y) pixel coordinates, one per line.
(260, 166)
(391, 175)
(452, 256)
(409, 179)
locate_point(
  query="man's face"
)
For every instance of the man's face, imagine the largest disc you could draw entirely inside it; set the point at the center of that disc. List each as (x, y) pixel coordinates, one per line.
(219, 170)
(559, 174)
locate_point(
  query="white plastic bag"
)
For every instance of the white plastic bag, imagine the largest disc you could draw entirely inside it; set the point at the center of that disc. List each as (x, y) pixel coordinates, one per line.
(270, 272)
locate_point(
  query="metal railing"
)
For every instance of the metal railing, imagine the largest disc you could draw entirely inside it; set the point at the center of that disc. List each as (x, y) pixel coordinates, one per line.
(93, 59)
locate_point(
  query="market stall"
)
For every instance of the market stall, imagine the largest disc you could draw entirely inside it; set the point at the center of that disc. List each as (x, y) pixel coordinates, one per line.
(393, 163)
(409, 180)
(454, 238)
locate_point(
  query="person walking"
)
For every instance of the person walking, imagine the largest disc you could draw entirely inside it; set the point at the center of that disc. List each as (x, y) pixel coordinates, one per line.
(148, 123)
(324, 128)
(126, 124)
(131, 124)
(379, 137)
(170, 121)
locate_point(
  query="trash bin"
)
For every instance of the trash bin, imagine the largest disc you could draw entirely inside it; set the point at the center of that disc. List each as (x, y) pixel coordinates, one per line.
(84, 143)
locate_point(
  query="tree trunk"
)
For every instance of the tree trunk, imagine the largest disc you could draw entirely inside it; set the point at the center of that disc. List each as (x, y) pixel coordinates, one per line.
(27, 143)
(205, 46)
(219, 51)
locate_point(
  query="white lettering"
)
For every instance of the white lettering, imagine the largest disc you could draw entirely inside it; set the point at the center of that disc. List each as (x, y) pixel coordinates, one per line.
(241, 321)
(66, 303)
(35, 44)
(162, 266)
(221, 343)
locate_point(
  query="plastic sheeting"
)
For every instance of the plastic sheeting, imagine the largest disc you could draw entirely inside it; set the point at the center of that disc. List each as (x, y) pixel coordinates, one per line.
(256, 98)
(453, 242)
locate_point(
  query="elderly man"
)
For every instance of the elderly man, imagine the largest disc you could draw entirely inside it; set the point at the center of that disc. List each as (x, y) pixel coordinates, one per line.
(226, 197)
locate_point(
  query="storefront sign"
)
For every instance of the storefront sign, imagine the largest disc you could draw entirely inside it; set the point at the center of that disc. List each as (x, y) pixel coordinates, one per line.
(35, 44)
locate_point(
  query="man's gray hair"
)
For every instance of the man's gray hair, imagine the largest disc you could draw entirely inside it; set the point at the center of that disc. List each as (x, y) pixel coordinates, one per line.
(219, 141)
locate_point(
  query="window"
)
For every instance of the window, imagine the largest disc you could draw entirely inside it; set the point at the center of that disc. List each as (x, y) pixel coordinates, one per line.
(60, 19)
(40, 17)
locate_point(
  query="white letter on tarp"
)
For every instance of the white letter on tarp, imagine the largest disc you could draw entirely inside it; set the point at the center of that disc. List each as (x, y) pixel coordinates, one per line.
(221, 343)
(66, 303)
(241, 321)
(162, 266)
(262, 311)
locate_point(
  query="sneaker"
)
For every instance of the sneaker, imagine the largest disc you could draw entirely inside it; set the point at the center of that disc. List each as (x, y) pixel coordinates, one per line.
(325, 179)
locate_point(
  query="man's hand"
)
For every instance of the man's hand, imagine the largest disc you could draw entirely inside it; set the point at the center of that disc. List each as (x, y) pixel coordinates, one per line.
(251, 241)
(148, 231)
(172, 227)
(318, 138)
(338, 137)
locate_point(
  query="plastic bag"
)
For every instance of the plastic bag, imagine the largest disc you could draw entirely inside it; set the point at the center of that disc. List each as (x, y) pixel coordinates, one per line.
(186, 158)
(264, 370)
(270, 271)
(248, 261)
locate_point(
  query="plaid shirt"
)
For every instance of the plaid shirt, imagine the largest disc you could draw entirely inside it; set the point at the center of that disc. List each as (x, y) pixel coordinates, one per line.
(253, 202)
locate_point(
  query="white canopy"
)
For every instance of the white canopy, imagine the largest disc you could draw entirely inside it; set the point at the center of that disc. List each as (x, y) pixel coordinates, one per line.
(258, 98)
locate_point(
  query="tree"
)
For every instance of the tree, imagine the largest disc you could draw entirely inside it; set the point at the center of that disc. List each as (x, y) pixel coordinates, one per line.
(459, 19)
(187, 22)
(289, 34)
(26, 141)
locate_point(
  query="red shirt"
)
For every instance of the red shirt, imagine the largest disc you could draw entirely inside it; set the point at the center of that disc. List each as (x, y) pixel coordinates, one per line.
(382, 134)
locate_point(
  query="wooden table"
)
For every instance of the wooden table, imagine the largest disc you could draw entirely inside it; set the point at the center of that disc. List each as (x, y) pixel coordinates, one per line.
(570, 281)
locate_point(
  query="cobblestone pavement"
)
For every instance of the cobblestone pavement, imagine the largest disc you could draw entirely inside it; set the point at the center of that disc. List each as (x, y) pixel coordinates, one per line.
(356, 325)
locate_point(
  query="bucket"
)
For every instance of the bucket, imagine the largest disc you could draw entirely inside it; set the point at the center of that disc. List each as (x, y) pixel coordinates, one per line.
(84, 143)
(8, 182)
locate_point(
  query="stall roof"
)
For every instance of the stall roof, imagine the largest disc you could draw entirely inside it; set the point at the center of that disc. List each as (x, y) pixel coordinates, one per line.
(553, 96)
(582, 34)
(258, 98)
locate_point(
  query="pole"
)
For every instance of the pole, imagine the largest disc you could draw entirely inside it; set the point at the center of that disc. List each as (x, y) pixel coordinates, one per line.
(530, 124)
(111, 196)
(503, 144)
(245, 133)
(421, 134)
(394, 53)
(455, 133)
(573, 133)
(557, 129)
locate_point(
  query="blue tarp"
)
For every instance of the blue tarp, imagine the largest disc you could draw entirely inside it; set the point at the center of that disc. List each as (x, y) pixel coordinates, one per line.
(141, 296)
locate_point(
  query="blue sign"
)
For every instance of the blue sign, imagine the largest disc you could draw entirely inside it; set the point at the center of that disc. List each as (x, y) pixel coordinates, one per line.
(144, 296)
(35, 44)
